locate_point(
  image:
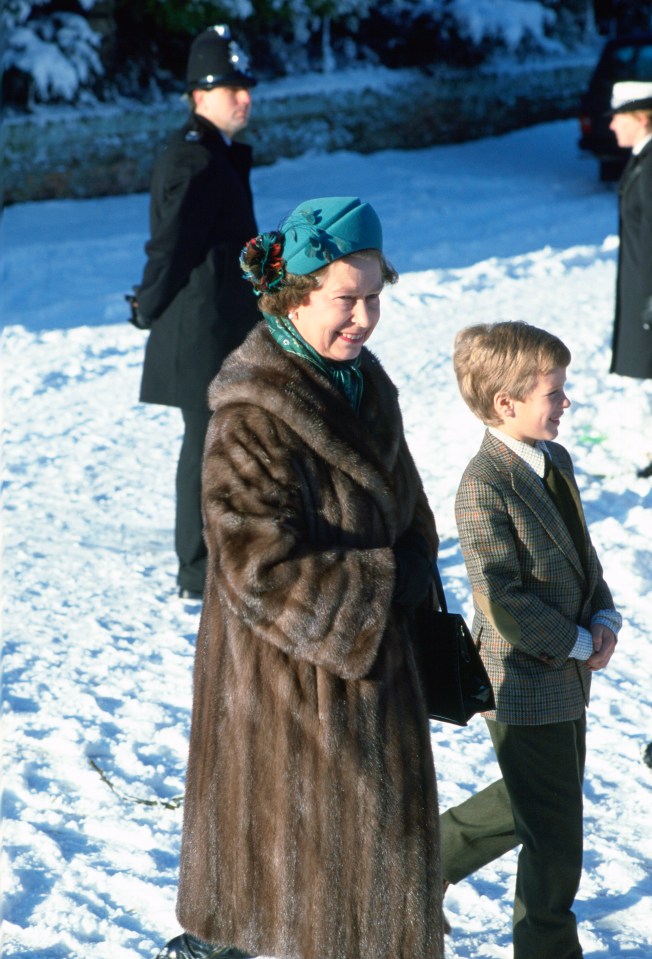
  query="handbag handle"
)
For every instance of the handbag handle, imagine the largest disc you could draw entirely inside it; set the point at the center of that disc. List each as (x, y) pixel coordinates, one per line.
(439, 589)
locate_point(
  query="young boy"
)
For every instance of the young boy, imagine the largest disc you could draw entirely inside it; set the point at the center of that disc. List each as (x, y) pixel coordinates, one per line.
(544, 621)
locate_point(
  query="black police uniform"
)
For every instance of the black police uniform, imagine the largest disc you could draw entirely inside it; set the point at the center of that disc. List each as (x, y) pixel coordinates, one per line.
(632, 339)
(195, 300)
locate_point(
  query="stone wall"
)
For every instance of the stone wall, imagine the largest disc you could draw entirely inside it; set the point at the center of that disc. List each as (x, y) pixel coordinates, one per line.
(109, 150)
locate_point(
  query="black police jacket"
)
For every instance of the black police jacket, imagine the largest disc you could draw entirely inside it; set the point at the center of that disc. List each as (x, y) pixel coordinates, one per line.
(632, 339)
(193, 295)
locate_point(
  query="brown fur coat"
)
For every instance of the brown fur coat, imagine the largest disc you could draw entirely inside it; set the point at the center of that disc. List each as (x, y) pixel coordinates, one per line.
(311, 822)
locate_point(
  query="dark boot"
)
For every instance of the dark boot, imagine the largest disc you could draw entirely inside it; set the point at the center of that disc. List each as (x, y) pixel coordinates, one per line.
(645, 472)
(187, 946)
(647, 755)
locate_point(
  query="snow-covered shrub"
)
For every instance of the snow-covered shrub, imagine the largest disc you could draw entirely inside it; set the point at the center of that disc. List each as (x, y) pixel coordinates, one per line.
(512, 24)
(464, 33)
(56, 56)
(295, 36)
(188, 17)
(54, 53)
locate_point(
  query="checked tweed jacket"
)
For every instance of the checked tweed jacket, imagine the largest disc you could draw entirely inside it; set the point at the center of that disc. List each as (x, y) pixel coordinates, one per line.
(530, 588)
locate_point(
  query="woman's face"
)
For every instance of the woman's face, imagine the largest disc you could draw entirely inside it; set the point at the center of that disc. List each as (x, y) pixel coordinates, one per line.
(340, 316)
(629, 128)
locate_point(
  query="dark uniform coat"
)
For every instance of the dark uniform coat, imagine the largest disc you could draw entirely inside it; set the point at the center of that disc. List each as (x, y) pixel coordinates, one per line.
(531, 589)
(192, 291)
(310, 816)
(632, 344)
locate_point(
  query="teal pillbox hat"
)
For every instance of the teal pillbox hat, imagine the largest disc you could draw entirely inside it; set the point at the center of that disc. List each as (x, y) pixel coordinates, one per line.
(320, 231)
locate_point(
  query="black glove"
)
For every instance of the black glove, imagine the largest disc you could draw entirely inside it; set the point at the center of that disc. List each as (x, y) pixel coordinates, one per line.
(136, 317)
(413, 569)
(646, 319)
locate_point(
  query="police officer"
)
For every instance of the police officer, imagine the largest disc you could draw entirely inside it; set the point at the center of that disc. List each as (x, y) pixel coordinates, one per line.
(192, 296)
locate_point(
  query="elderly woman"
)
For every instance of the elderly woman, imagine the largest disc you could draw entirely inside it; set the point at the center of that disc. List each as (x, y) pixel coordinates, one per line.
(311, 822)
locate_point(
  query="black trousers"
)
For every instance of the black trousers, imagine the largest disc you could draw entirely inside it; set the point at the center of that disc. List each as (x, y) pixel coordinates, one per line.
(537, 804)
(189, 526)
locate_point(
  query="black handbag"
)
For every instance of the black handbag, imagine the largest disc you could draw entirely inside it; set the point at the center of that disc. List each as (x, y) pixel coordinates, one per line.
(454, 680)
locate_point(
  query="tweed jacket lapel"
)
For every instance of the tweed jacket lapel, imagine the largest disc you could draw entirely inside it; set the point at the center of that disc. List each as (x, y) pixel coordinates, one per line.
(529, 488)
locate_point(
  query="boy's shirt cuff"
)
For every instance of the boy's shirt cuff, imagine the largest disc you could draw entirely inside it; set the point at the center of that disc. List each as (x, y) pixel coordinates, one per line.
(609, 618)
(583, 645)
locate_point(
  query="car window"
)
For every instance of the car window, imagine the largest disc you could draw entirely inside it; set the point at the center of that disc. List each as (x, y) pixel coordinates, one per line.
(644, 64)
(630, 63)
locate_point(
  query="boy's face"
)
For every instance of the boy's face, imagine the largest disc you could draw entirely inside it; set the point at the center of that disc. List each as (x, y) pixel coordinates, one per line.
(537, 416)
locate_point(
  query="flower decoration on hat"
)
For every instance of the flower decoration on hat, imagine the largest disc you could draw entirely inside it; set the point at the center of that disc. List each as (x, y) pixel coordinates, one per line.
(262, 263)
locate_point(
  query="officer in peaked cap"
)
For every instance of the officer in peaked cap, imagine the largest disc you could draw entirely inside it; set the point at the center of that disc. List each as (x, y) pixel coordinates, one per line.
(631, 123)
(192, 298)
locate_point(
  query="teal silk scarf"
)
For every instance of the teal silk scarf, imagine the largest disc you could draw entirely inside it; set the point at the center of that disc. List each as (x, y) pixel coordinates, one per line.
(345, 376)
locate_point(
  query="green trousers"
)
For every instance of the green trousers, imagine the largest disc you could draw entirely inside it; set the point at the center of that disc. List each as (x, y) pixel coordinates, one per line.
(537, 804)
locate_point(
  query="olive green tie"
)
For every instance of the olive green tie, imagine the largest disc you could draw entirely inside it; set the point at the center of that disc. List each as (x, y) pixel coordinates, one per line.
(557, 486)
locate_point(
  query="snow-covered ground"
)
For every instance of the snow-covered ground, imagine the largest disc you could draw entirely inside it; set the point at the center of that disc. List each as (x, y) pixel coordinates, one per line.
(98, 651)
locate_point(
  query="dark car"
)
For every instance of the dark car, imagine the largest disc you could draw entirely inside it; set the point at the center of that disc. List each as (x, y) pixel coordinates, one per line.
(623, 58)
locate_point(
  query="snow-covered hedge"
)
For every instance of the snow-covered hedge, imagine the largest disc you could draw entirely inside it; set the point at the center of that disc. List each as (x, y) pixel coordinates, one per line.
(67, 152)
(509, 22)
(56, 51)
(53, 57)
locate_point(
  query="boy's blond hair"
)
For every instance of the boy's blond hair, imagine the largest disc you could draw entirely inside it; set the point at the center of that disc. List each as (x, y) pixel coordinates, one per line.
(492, 358)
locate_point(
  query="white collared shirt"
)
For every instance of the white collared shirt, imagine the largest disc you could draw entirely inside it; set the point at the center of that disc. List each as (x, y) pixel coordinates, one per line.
(636, 149)
(533, 455)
